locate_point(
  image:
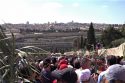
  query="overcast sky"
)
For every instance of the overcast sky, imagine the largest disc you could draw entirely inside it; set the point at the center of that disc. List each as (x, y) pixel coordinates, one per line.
(42, 11)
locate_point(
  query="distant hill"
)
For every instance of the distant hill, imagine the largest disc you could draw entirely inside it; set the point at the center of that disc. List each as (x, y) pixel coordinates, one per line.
(55, 27)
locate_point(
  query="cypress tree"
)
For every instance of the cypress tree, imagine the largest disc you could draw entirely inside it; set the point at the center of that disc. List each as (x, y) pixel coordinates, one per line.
(91, 36)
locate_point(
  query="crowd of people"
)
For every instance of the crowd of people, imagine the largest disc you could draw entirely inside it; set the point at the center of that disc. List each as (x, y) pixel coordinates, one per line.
(73, 69)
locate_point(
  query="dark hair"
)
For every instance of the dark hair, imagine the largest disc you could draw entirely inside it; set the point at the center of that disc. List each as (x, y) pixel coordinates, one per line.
(54, 60)
(70, 77)
(39, 60)
(71, 60)
(83, 61)
(111, 81)
(102, 59)
(111, 60)
(119, 59)
(76, 64)
(46, 62)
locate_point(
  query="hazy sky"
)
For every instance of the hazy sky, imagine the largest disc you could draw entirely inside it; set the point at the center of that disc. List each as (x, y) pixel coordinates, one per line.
(42, 11)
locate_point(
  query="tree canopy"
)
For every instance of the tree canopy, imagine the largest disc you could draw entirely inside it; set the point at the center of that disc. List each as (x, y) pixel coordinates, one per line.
(109, 35)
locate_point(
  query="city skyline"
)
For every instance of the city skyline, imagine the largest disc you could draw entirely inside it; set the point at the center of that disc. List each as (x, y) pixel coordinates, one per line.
(43, 11)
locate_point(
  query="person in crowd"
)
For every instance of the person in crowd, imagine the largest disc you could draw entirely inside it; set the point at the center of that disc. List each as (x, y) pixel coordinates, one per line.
(115, 74)
(46, 71)
(76, 63)
(53, 63)
(38, 79)
(71, 60)
(73, 69)
(101, 64)
(85, 76)
(95, 76)
(111, 60)
(119, 59)
(84, 65)
(62, 61)
(122, 61)
(37, 63)
(66, 75)
(41, 65)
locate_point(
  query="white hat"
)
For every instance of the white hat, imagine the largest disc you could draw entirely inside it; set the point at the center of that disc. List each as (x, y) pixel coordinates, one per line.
(85, 75)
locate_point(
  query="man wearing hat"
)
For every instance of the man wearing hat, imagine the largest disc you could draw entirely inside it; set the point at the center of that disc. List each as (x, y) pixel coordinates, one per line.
(115, 74)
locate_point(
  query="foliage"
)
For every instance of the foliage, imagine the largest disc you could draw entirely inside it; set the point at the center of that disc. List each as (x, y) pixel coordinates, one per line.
(117, 42)
(123, 30)
(109, 35)
(91, 40)
(8, 59)
(79, 42)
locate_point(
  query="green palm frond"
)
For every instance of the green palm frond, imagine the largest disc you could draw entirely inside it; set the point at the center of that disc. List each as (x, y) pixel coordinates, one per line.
(9, 55)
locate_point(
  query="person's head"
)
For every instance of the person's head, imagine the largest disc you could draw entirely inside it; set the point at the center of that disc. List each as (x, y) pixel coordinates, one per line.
(115, 74)
(67, 75)
(63, 61)
(85, 63)
(85, 76)
(47, 64)
(119, 59)
(102, 59)
(76, 63)
(63, 66)
(111, 60)
(53, 60)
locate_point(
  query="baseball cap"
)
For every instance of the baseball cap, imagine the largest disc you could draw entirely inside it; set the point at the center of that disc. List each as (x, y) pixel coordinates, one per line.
(67, 74)
(115, 72)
